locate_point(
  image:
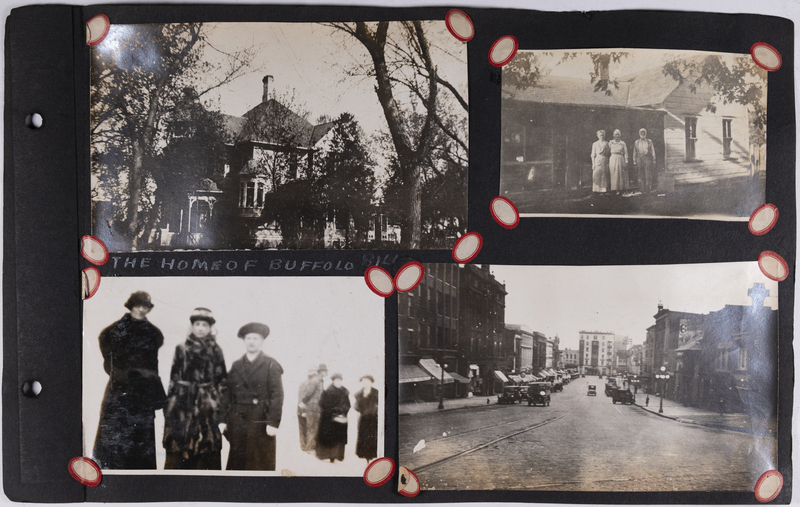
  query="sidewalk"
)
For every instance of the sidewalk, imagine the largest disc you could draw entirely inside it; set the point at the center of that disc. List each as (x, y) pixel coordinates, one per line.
(691, 415)
(449, 404)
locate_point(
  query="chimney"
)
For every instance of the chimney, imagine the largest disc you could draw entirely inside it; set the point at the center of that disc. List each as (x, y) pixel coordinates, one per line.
(267, 84)
(660, 307)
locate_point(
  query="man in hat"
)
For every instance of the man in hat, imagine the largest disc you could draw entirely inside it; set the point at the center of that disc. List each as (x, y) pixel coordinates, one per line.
(308, 411)
(126, 433)
(644, 158)
(255, 403)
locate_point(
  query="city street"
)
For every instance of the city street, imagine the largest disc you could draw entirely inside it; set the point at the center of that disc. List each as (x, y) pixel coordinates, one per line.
(578, 443)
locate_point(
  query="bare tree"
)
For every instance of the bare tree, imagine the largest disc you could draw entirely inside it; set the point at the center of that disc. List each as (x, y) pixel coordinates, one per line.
(138, 76)
(404, 61)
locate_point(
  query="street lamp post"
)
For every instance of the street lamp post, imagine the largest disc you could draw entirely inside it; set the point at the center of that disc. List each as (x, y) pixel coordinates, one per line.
(663, 376)
(441, 388)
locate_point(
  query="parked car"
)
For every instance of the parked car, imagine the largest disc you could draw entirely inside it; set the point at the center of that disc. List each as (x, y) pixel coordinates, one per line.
(510, 394)
(624, 396)
(539, 392)
(558, 387)
(592, 391)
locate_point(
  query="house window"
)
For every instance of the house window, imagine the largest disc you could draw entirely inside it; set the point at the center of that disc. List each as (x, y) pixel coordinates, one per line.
(743, 359)
(722, 360)
(691, 138)
(726, 138)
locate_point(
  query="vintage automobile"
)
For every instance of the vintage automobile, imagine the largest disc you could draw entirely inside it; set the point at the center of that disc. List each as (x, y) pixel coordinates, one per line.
(624, 396)
(511, 394)
(539, 392)
(558, 387)
(592, 391)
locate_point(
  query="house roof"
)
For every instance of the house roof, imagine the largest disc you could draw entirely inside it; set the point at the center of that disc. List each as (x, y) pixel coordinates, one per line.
(649, 87)
(271, 122)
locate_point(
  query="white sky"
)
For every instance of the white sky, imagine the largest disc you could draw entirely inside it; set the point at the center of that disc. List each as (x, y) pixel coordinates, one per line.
(564, 300)
(638, 59)
(313, 60)
(333, 320)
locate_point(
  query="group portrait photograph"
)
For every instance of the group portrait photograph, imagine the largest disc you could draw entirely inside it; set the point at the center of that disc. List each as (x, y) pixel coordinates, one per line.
(232, 375)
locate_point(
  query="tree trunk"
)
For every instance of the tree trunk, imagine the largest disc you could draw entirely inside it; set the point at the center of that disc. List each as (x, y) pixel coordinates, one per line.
(415, 208)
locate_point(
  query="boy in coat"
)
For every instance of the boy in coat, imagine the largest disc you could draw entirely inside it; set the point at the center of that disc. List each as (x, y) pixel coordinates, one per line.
(254, 403)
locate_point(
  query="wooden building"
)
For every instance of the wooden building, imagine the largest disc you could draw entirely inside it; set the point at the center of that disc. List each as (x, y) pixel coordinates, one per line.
(548, 131)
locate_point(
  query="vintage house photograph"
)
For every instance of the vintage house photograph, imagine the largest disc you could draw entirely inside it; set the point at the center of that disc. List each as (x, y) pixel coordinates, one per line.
(279, 136)
(575, 378)
(634, 132)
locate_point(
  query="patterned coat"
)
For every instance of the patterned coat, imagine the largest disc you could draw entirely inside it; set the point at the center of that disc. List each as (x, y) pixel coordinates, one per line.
(254, 400)
(193, 411)
(126, 433)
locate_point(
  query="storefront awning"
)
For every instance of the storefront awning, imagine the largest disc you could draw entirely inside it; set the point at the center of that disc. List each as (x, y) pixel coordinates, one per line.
(516, 378)
(413, 373)
(500, 376)
(458, 378)
(430, 366)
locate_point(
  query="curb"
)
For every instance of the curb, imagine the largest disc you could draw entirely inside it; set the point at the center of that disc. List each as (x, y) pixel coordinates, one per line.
(751, 431)
(445, 409)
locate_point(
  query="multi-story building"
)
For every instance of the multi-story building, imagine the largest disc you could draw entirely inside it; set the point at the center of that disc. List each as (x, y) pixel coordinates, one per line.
(569, 358)
(596, 352)
(738, 360)
(539, 351)
(482, 325)
(670, 331)
(519, 347)
(635, 359)
(428, 329)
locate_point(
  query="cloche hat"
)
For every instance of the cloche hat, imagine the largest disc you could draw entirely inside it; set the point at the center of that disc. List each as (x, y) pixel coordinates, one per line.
(138, 298)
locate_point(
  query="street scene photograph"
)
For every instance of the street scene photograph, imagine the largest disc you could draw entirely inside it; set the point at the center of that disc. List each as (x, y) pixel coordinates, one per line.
(339, 135)
(634, 132)
(589, 378)
(280, 376)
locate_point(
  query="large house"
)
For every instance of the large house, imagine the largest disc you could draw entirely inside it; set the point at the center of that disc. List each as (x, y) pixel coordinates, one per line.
(548, 130)
(264, 149)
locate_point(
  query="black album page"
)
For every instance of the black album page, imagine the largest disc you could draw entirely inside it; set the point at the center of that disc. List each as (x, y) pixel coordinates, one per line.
(369, 254)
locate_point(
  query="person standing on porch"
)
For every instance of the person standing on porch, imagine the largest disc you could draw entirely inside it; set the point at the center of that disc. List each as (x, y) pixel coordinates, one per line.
(617, 162)
(644, 158)
(600, 154)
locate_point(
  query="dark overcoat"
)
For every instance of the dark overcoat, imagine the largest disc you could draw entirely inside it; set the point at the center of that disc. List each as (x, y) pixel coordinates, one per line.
(335, 401)
(367, 407)
(193, 411)
(254, 399)
(126, 433)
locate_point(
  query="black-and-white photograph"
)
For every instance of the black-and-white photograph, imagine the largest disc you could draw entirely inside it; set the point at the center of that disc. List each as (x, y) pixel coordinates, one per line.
(634, 132)
(277, 376)
(346, 135)
(589, 378)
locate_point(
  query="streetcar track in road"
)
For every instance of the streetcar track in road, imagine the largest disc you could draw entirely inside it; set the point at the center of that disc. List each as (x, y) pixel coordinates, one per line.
(450, 435)
(487, 444)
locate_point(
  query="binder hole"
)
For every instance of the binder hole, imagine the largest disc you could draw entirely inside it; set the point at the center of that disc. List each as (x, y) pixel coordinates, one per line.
(31, 388)
(34, 121)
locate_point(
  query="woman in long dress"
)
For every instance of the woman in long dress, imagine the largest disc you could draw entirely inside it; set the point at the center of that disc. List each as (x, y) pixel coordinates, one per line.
(600, 154)
(367, 407)
(617, 162)
(192, 437)
(334, 404)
